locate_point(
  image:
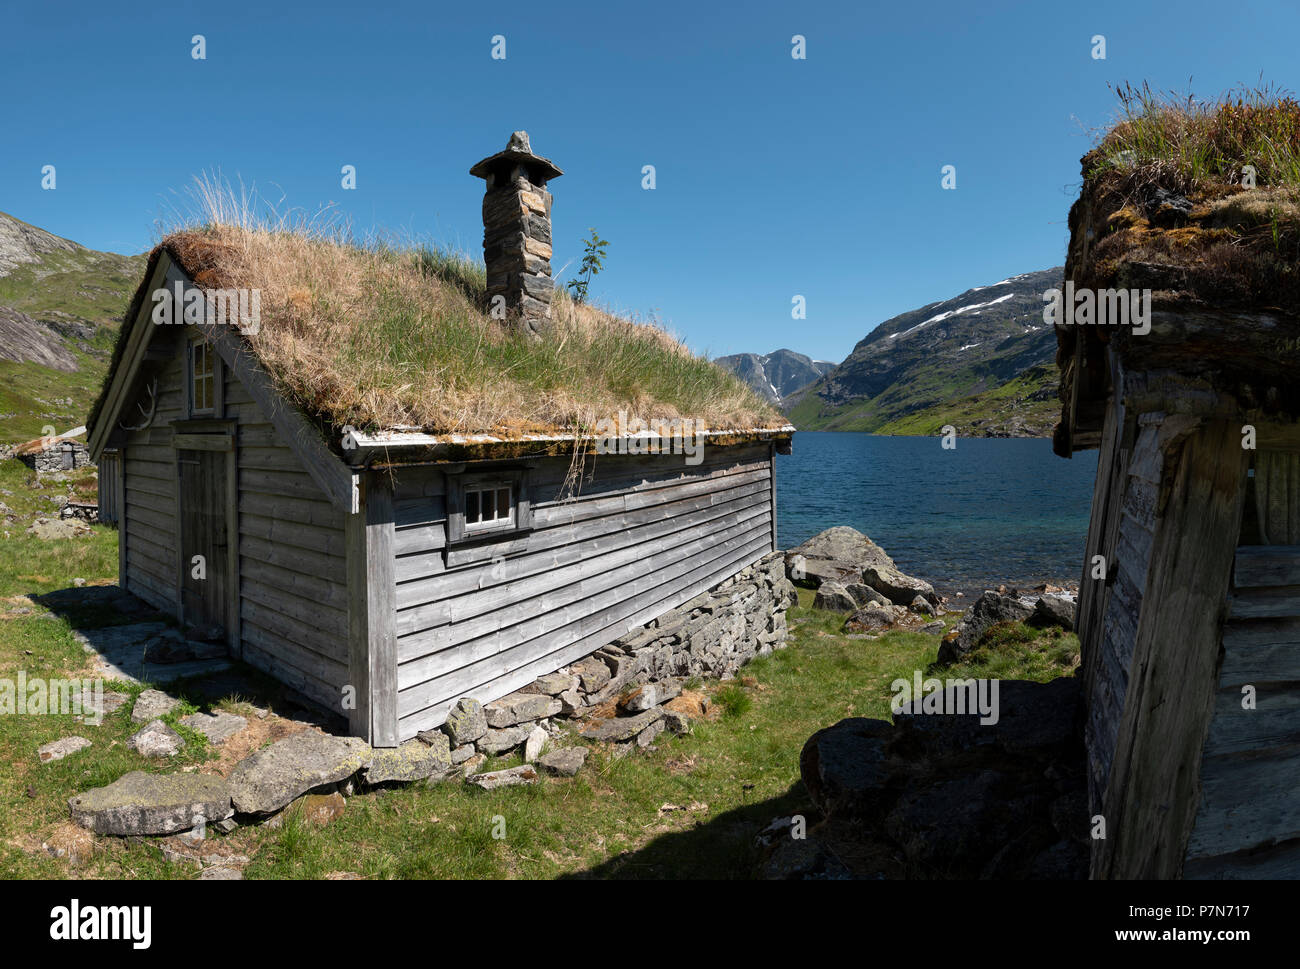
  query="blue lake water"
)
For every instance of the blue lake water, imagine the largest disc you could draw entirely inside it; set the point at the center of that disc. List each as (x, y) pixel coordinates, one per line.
(987, 512)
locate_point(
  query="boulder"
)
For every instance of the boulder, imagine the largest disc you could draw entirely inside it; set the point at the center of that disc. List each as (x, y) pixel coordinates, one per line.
(277, 775)
(834, 597)
(836, 553)
(217, 727)
(146, 804)
(412, 761)
(466, 722)
(61, 748)
(642, 698)
(871, 618)
(152, 704)
(511, 777)
(900, 589)
(519, 708)
(51, 529)
(563, 763)
(156, 739)
(1052, 610)
(989, 609)
(845, 766)
(922, 606)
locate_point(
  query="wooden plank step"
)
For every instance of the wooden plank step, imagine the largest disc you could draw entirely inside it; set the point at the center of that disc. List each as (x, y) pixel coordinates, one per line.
(1246, 802)
(1262, 566)
(1260, 651)
(1272, 724)
(1274, 603)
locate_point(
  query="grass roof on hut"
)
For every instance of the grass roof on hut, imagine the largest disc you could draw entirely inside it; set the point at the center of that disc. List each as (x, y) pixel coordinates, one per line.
(379, 337)
(1196, 199)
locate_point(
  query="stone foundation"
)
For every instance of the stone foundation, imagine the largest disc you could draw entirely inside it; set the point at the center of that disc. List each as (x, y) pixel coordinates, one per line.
(620, 691)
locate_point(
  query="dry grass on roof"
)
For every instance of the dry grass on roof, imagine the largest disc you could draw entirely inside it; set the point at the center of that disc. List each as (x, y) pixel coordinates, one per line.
(1167, 199)
(379, 337)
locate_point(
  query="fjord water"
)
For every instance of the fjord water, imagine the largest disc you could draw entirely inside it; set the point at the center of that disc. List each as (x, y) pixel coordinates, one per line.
(989, 511)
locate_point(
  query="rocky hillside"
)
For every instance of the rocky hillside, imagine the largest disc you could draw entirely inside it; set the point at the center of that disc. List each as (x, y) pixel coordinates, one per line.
(981, 361)
(777, 375)
(60, 305)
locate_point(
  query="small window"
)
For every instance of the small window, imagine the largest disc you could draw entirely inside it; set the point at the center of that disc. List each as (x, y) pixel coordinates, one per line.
(487, 504)
(489, 507)
(202, 379)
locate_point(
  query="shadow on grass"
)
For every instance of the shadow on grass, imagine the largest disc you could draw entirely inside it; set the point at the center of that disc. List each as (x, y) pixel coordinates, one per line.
(722, 847)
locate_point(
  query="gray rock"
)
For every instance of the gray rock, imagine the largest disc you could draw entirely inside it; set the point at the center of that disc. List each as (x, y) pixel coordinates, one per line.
(275, 776)
(871, 617)
(156, 739)
(837, 553)
(511, 777)
(563, 763)
(864, 595)
(466, 722)
(141, 803)
(647, 736)
(989, 609)
(152, 704)
(499, 741)
(61, 748)
(462, 754)
(537, 739)
(517, 708)
(217, 727)
(1053, 611)
(834, 597)
(621, 728)
(592, 674)
(641, 699)
(571, 702)
(412, 761)
(921, 606)
(221, 875)
(932, 628)
(552, 684)
(900, 589)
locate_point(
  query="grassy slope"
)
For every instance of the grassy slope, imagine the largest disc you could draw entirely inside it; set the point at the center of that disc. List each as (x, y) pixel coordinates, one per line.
(728, 779)
(84, 286)
(993, 409)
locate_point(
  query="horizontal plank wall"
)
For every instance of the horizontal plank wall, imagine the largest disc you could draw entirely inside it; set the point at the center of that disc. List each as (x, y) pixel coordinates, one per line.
(149, 527)
(292, 561)
(646, 534)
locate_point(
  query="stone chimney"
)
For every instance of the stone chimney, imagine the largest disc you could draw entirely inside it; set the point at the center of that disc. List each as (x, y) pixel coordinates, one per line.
(517, 233)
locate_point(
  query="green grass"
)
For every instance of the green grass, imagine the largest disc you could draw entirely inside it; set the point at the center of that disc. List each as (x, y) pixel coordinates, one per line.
(1029, 399)
(1206, 143)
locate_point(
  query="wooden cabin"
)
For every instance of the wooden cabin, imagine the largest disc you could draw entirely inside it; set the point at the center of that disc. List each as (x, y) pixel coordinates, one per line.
(398, 568)
(1189, 605)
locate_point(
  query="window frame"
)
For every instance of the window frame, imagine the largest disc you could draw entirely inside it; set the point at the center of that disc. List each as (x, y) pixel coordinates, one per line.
(192, 376)
(459, 486)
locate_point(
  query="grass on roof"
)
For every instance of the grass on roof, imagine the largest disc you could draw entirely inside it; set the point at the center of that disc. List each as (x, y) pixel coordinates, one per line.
(1168, 188)
(378, 336)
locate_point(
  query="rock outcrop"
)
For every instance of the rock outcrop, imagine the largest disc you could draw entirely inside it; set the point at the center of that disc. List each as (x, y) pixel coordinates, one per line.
(848, 569)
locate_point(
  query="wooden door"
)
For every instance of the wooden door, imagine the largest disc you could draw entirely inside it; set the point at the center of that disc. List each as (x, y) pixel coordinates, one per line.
(202, 512)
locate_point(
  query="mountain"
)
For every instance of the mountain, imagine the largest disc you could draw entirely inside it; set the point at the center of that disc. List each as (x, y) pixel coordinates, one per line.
(981, 361)
(776, 375)
(60, 306)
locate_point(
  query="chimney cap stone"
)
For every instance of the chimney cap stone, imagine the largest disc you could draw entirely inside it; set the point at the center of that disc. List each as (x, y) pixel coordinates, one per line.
(517, 152)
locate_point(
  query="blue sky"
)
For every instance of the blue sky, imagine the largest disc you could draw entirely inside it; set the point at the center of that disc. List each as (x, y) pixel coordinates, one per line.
(775, 176)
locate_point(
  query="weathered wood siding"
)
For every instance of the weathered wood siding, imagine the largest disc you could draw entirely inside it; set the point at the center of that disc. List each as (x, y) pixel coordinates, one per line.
(148, 527)
(647, 534)
(292, 568)
(1122, 529)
